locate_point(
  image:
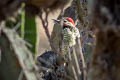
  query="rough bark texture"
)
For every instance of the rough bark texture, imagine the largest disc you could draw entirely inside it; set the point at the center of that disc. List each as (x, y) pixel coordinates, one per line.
(106, 57)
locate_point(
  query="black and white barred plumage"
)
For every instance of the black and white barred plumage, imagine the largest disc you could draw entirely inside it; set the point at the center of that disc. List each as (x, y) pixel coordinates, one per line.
(70, 35)
(69, 38)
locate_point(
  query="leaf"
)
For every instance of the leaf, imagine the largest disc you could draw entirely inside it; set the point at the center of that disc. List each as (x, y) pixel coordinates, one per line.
(30, 32)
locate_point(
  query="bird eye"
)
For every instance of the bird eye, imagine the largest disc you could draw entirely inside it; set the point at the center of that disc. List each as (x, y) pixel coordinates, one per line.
(65, 21)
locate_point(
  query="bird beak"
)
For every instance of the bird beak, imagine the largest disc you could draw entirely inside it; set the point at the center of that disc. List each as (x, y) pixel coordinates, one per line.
(56, 21)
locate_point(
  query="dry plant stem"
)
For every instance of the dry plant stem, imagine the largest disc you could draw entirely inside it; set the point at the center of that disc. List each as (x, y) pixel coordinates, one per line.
(21, 75)
(45, 26)
(76, 61)
(45, 23)
(72, 66)
(83, 61)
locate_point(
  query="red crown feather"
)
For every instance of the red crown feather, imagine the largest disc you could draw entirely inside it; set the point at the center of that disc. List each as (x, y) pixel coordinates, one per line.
(70, 20)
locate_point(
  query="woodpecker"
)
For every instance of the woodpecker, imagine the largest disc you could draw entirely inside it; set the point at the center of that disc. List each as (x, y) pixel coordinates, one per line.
(64, 32)
(69, 31)
(69, 34)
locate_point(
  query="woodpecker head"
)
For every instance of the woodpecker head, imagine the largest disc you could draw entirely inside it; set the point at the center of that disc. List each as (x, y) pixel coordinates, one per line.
(68, 22)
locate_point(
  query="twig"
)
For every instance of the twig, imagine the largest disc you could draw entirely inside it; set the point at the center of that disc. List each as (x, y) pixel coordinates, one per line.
(23, 20)
(21, 75)
(45, 26)
(17, 26)
(73, 68)
(83, 60)
(76, 61)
